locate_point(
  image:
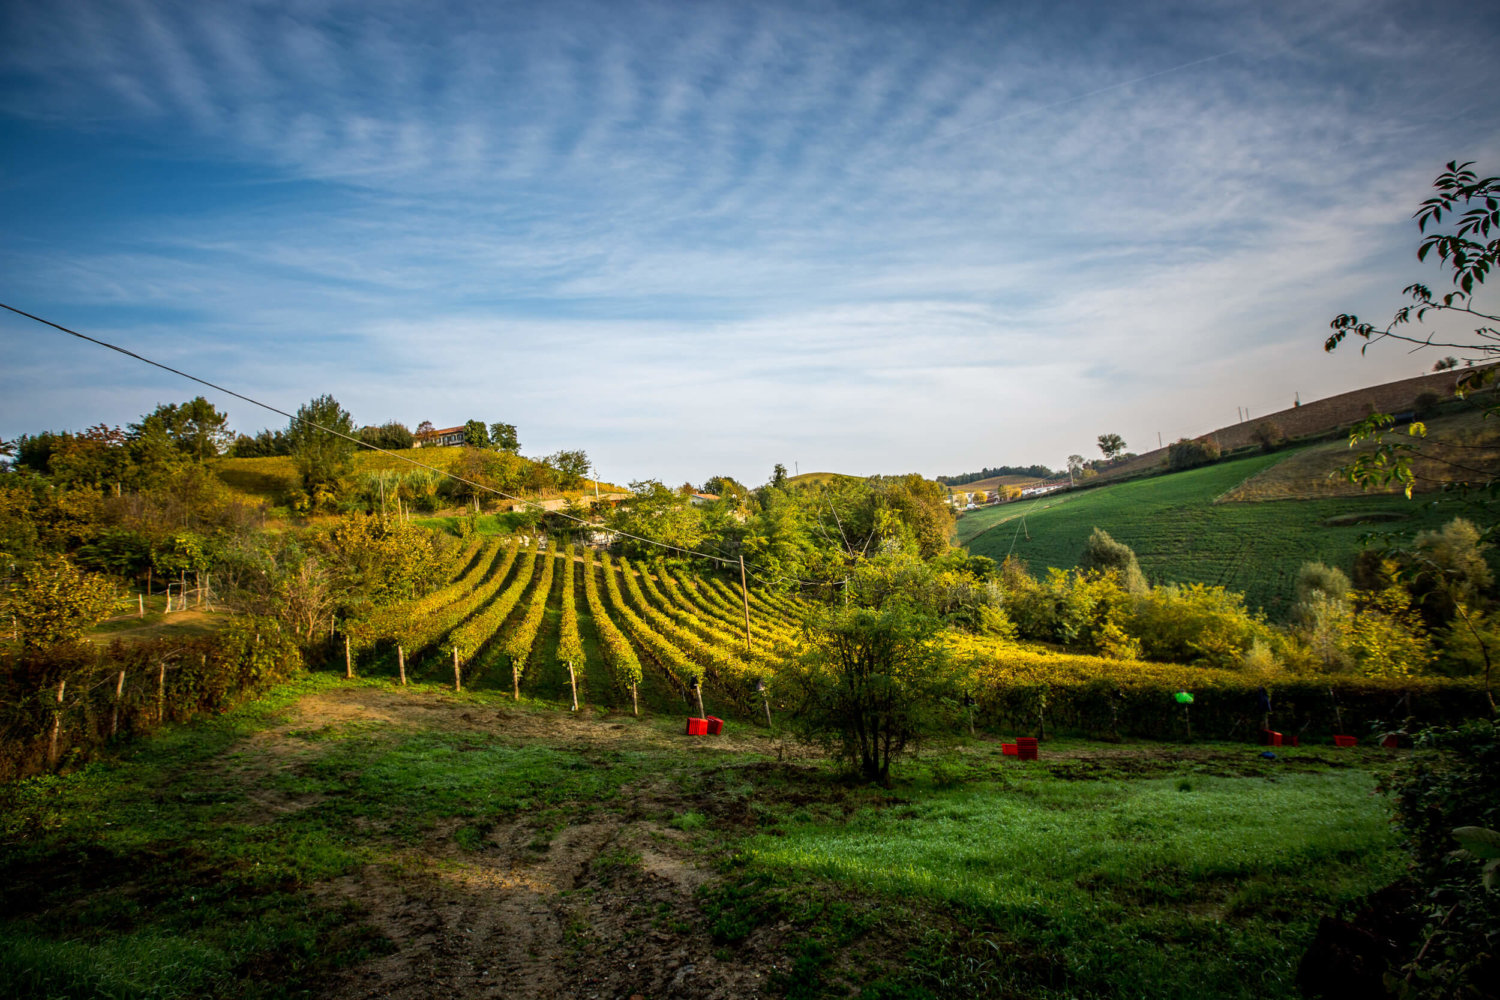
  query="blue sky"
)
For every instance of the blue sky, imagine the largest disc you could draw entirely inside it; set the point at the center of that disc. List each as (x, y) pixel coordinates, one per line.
(702, 238)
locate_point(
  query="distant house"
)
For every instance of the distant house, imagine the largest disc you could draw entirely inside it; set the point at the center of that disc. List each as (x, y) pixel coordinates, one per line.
(702, 499)
(445, 437)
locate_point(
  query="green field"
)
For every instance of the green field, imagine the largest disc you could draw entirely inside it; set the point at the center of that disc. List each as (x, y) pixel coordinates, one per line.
(1181, 535)
(353, 838)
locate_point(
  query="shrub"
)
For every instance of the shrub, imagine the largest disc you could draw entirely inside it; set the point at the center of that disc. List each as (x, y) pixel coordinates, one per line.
(1187, 454)
(1103, 553)
(1268, 434)
(1195, 623)
(1450, 782)
(871, 682)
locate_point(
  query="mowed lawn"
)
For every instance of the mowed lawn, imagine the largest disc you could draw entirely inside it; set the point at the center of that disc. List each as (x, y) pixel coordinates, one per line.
(1181, 535)
(1188, 886)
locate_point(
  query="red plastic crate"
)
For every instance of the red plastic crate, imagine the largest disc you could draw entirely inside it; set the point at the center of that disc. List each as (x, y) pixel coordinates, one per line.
(1390, 742)
(1270, 738)
(715, 725)
(1008, 749)
(1344, 741)
(697, 727)
(1026, 748)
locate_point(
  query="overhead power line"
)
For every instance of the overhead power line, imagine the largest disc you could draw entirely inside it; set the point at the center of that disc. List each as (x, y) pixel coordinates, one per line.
(365, 444)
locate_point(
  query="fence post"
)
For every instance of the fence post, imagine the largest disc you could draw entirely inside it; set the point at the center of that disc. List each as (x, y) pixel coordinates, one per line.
(161, 691)
(140, 605)
(56, 724)
(401, 663)
(635, 701)
(573, 683)
(114, 722)
(457, 683)
(348, 660)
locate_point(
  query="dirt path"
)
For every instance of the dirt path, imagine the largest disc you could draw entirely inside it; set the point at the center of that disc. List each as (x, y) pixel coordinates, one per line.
(607, 906)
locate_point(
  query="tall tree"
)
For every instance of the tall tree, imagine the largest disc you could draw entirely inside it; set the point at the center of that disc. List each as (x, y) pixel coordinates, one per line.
(1111, 445)
(571, 466)
(320, 449)
(476, 434)
(503, 438)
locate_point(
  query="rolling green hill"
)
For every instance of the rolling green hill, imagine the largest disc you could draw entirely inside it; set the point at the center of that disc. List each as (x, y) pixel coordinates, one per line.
(1181, 535)
(809, 478)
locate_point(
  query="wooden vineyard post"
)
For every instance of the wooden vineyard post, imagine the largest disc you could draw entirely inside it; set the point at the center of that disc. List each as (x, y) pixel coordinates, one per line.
(457, 682)
(56, 724)
(140, 602)
(745, 596)
(765, 699)
(401, 663)
(698, 695)
(348, 660)
(161, 691)
(573, 683)
(114, 721)
(168, 609)
(635, 701)
(515, 678)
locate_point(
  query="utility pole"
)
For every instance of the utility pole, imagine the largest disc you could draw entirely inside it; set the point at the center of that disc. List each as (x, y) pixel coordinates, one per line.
(745, 596)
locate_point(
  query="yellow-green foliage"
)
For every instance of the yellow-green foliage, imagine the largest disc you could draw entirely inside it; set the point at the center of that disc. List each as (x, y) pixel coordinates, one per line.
(518, 644)
(55, 602)
(491, 615)
(389, 621)
(1195, 623)
(685, 672)
(1019, 688)
(569, 642)
(623, 664)
(1385, 635)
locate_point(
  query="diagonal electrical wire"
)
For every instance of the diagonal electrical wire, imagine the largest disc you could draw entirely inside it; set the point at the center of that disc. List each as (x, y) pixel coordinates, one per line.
(347, 437)
(365, 444)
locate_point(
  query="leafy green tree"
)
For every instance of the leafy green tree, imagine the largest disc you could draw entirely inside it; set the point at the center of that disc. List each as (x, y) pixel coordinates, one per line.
(320, 437)
(503, 438)
(571, 466)
(873, 680)
(391, 436)
(266, 444)
(197, 428)
(1111, 445)
(778, 475)
(53, 602)
(476, 434)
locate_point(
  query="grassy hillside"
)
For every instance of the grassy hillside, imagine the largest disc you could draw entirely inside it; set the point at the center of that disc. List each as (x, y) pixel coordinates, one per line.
(269, 479)
(1182, 536)
(809, 478)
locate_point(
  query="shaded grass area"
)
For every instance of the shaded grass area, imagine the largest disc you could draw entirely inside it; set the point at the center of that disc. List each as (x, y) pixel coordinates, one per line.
(162, 873)
(1181, 536)
(484, 524)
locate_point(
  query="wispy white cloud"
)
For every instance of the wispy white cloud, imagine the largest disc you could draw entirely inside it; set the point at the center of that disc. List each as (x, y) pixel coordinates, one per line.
(902, 234)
